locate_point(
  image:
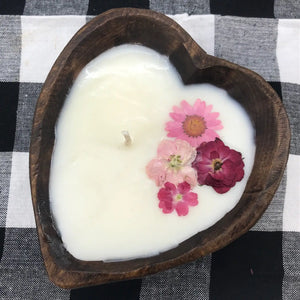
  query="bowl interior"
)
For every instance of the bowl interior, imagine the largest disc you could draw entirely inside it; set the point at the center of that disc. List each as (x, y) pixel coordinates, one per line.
(160, 33)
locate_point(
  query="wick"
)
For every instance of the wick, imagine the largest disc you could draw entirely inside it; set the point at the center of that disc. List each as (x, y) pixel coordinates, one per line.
(127, 137)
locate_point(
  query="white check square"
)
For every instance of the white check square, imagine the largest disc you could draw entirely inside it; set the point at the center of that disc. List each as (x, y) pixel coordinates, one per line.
(20, 210)
(43, 38)
(201, 28)
(291, 211)
(288, 50)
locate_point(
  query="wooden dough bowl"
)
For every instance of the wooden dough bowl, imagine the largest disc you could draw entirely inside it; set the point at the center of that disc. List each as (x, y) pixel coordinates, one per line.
(154, 30)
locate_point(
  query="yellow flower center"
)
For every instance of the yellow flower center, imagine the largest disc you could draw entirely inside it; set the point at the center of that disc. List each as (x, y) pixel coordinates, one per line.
(216, 164)
(178, 197)
(194, 126)
(175, 162)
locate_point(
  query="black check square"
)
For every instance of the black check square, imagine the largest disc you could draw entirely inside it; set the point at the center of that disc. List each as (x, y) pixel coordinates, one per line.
(276, 85)
(112, 291)
(9, 93)
(249, 268)
(96, 7)
(245, 8)
(12, 7)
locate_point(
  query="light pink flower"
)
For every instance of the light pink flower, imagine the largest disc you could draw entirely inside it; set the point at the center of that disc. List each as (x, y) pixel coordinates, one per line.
(173, 163)
(195, 124)
(218, 166)
(178, 198)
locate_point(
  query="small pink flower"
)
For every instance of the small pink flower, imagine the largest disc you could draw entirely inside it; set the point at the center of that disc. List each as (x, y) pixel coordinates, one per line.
(195, 124)
(178, 198)
(218, 166)
(173, 163)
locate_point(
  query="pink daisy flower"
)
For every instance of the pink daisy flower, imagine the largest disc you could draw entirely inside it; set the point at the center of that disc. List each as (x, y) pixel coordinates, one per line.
(195, 124)
(178, 198)
(218, 166)
(173, 163)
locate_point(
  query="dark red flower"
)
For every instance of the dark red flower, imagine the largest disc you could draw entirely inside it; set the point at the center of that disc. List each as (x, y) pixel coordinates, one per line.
(218, 166)
(178, 198)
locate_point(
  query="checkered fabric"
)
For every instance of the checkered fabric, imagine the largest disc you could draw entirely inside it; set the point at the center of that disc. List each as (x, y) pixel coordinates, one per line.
(263, 35)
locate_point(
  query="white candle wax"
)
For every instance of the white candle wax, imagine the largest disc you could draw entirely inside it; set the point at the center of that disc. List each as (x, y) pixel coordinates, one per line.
(103, 203)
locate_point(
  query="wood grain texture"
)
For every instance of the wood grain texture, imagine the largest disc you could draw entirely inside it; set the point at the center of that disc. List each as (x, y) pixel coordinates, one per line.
(160, 33)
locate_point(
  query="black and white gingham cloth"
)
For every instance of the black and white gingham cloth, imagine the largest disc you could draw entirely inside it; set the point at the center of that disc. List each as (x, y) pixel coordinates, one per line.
(263, 35)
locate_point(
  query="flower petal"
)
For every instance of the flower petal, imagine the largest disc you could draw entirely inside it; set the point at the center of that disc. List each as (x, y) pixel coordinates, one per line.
(171, 187)
(199, 108)
(221, 190)
(165, 149)
(209, 135)
(166, 206)
(165, 195)
(182, 208)
(183, 188)
(189, 175)
(174, 133)
(178, 117)
(213, 155)
(196, 141)
(186, 107)
(156, 171)
(173, 176)
(214, 115)
(177, 110)
(213, 122)
(186, 152)
(191, 198)
(171, 125)
(208, 109)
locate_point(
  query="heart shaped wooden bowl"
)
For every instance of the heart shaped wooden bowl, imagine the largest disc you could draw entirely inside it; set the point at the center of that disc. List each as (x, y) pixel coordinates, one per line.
(160, 33)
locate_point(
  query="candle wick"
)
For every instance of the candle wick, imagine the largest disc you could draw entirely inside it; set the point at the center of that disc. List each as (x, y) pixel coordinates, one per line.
(127, 137)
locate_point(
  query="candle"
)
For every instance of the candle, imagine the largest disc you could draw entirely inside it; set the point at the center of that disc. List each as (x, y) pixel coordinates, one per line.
(104, 203)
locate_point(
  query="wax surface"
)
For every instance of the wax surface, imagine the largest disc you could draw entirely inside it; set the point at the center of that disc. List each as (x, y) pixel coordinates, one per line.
(103, 203)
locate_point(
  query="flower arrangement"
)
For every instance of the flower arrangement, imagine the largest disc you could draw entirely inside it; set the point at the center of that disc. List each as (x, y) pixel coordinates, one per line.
(197, 155)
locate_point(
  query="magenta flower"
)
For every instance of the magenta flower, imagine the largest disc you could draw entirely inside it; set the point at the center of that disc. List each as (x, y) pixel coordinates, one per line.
(173, 163)
(195, 124)
(178, 198)
(218, 166)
